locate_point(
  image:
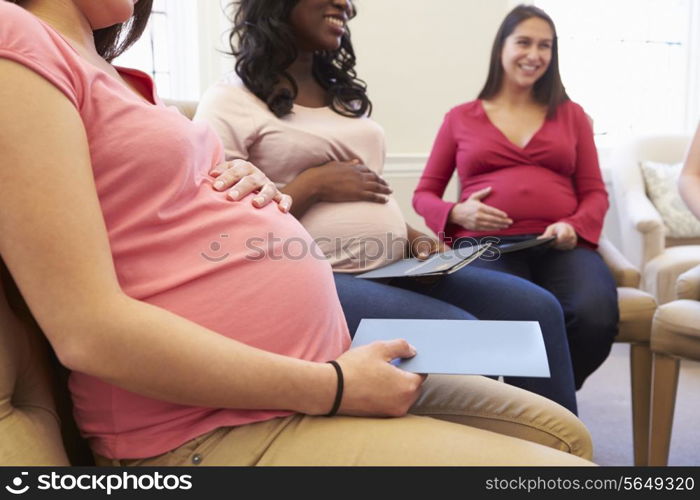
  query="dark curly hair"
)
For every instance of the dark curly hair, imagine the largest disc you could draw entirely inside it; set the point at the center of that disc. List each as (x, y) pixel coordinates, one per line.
(549, 89)
(112, 41)
(264, 46)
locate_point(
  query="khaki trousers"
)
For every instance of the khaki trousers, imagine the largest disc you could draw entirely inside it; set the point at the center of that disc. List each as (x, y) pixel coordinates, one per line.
(458, 420)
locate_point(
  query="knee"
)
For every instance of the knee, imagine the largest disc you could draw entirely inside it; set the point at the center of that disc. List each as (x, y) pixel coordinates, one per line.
(595, 319)
(454, 312)
(502, 408)
(540, 305)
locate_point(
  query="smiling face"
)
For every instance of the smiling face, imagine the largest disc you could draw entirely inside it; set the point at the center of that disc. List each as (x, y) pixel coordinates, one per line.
(527, 52)
(105, 13)
(320, 24)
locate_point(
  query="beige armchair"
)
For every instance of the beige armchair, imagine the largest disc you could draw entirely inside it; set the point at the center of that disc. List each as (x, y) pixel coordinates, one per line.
(675, 336)
(36, 423)
(636, 312)
(644, 242)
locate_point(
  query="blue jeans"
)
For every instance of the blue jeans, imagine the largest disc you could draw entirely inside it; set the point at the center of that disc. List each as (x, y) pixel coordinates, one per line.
(470, 293)
(584, 287)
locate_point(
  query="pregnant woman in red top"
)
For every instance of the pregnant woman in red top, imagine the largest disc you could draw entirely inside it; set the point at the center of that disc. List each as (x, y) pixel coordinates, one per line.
(528, 167)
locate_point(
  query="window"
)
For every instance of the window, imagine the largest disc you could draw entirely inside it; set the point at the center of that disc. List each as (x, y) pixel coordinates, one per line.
(628, 63)
(168, 49)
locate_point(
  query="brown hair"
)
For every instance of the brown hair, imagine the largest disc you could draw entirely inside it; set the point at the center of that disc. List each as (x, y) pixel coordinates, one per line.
(112, 41)
(549, 89)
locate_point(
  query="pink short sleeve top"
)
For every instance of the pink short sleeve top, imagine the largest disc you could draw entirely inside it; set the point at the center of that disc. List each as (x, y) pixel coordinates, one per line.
(179, 245)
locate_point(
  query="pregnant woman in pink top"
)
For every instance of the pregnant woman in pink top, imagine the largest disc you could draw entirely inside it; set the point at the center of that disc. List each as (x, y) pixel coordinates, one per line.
(296, 109)
(177, 358)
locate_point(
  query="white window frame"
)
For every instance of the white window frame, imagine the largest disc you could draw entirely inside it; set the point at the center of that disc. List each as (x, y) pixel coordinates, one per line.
(196, 46)
(692, 82)
(213, 41)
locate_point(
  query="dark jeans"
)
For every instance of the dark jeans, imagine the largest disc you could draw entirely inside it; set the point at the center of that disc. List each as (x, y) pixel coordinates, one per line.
(487, 295)
(584, 287)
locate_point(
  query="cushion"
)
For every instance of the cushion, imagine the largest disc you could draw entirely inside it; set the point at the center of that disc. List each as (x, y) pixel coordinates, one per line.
(676, 329)
(636, 312)
(661, 181)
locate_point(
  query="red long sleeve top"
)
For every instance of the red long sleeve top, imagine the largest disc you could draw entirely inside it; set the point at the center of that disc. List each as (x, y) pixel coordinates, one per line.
(554, 178)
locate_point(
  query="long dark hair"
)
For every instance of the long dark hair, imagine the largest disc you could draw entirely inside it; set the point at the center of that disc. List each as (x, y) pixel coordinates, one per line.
(264, 46)
(112, 41)
(549, 89)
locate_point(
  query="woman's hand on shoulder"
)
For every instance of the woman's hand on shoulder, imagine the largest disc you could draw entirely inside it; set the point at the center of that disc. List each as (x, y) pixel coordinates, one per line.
(375, 387)
(565, 234)
(242, 178)
(340, 181)
(475, 215)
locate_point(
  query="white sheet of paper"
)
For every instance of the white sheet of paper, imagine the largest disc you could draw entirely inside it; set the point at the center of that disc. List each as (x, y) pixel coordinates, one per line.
(507, 348)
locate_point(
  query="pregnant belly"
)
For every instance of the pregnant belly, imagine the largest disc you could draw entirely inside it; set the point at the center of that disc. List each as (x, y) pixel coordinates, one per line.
(527, 193)
(357, 236)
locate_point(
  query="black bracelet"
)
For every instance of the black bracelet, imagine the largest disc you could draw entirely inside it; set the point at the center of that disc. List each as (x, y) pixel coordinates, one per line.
(339, 390)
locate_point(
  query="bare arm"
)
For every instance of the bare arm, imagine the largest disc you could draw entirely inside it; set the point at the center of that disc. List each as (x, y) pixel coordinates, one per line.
(689, 182)
(53, 239)
(305, 191)
(336, 181)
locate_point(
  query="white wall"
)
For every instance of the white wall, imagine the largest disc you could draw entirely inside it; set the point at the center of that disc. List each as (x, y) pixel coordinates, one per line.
(419, 59)
(213, 41)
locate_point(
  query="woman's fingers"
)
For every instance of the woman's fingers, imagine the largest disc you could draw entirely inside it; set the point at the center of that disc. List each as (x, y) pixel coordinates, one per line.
(242, 178)
(284, 201)
(480, 194)
(487, 209)
(229, 173)
(265, 195)
(377, 187)
(373, 197)
(370, 177)
(220, 168)
(246, 185)
(566, 238)
(548, 233)
(424, 246)
(397, 348)
(492, 220)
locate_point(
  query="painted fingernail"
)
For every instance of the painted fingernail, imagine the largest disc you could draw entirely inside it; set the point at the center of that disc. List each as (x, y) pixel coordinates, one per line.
(259, 200)
(218, 185)
(234, 194)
